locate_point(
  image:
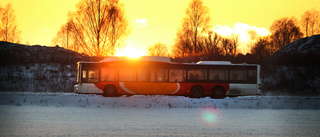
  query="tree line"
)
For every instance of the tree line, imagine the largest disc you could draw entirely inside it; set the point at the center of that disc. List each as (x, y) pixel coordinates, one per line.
(195, 38)
(99, 27)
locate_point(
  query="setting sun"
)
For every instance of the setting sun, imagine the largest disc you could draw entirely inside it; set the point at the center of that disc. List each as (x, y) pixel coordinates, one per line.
(132, 52)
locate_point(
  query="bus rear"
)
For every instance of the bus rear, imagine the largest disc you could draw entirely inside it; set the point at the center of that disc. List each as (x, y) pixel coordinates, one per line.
(249, 81)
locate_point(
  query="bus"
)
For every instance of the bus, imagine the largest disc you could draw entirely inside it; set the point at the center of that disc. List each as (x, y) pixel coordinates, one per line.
(148, 75)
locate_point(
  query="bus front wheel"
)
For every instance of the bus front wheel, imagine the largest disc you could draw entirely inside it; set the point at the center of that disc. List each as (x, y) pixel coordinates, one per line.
(218, 93)
(110, 91)
(196, 92)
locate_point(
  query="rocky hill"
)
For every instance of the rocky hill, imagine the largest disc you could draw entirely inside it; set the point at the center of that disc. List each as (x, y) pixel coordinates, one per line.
(38, 68)
(295, 68)
(17, 54)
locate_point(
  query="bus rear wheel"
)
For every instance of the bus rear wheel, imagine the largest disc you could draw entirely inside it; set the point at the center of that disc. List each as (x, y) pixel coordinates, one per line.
(196, 92)
(110, 91)
(218, 93)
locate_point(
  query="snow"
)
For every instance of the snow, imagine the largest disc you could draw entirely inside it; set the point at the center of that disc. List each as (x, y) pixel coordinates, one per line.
(77, 121)
(70, 114)
(156, 101)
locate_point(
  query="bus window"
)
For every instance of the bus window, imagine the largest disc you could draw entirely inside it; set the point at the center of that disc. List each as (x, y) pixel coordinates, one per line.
(176, 75)
(238, 74)
(158, 75)
(197, 74)
(252, 75)
(84, 73)
(90, 76)
(143, 75)
(108, 74)
(127, 74)
(218, 74)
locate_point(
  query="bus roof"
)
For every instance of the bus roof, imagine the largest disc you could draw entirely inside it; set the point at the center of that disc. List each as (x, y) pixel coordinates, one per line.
(215, 62)
(142, 58)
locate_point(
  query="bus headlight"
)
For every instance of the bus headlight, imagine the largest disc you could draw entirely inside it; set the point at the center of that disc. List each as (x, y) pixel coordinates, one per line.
(76, 89)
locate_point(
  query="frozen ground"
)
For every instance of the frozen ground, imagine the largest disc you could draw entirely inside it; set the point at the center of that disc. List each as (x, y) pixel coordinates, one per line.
(158, 101)
(68, 114)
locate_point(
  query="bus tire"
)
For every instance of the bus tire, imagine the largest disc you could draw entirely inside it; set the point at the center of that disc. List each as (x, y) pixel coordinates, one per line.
(196, 92)
(110, 91)
(218, 93)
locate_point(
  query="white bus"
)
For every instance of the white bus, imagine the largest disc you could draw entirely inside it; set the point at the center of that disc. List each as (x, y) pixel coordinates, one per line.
(117, 76)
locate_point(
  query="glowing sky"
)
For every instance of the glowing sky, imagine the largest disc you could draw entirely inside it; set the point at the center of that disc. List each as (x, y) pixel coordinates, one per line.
(153, 21)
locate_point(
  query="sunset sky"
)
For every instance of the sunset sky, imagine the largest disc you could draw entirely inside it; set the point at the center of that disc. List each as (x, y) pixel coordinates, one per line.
(153, 21)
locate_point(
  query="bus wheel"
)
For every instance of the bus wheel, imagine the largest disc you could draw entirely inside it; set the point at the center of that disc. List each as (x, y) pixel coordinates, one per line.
(110, 91)
(218, 93)
(196, 92)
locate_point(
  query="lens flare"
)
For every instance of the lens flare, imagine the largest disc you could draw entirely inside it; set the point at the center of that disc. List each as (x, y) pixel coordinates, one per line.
(209, 115)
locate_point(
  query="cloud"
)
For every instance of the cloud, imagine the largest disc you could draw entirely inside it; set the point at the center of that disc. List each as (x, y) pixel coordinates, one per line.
(141, 22)
(246, 33)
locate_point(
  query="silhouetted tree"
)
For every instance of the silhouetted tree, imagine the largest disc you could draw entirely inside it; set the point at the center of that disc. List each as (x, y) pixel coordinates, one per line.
(8, 28)
(100, 26)
(212, 44)
(262, 48)
(234, 44)
(284, 31)
(158, 49)
(310, 22)
(194, 26)
(67, 37)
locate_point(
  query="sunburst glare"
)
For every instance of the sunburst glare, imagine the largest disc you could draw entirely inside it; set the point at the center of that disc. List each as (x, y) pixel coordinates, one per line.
(130, 51)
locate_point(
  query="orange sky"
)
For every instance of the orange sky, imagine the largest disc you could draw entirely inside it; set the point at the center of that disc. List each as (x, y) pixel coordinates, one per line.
(153, 21)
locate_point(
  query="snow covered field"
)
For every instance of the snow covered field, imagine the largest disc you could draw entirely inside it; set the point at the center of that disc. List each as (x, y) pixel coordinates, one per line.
(69, 114)
(156, 101)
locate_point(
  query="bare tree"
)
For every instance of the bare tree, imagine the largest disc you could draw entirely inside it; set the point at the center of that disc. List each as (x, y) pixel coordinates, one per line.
(158, 49)
(226, 45)
(194, 25)
(234, 44)
(182, 46)
(66, 37)
(177, 51)
(100, 26)
(230, 44)
(212, 43)
(262, 48)
(310, 22)
(284, 31)
(8, 28)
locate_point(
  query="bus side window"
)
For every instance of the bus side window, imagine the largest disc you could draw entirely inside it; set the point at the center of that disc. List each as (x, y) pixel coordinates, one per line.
(176, 75)
(84, 73)
(108, 74)
(238, 75)
(218, 74)
(127, 74)
(93, 76)
(143, 74)
(158, 75)
(252, 75)
(197, 74)
(90, 76)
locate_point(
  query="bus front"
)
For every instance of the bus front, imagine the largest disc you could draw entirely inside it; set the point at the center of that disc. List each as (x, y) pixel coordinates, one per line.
(88, 73)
